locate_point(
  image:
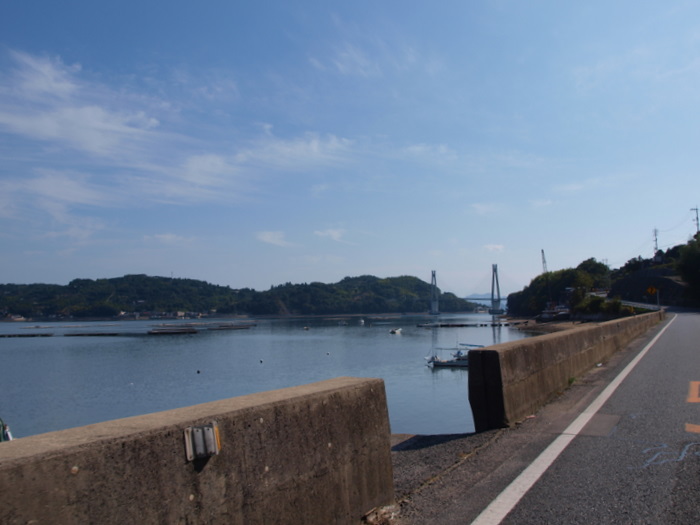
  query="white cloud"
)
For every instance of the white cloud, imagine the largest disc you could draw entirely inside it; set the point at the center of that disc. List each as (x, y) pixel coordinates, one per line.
(42, 76)
(212, 85)
(306, 152)
(207, 170)
(541, 203)
(485, 208)
(317, 63)
(66, 187)
(125, 147)
(497, 248)
(318, 190)
(273, 237)
(168, 238)
(334, 234)
(45, 100)
(431, 152)
(351, 60)
(64, 224)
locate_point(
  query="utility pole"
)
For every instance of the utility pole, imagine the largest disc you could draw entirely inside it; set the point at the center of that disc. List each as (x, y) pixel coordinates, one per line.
(656, 241)
(697, 223)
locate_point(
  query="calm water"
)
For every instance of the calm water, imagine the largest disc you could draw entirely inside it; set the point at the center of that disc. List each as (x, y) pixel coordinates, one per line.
(53, 383)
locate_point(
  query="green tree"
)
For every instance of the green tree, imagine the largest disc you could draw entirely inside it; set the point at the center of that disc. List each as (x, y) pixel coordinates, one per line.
(689, 268)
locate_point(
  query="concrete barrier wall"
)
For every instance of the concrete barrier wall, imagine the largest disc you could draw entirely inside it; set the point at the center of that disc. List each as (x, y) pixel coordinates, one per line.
(317, 453)
(510, 381)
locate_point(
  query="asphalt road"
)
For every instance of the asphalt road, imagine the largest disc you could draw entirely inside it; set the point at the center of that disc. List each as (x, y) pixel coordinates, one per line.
(635, 460)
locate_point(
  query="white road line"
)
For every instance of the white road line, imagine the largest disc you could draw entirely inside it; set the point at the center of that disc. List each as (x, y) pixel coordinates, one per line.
(513, 493)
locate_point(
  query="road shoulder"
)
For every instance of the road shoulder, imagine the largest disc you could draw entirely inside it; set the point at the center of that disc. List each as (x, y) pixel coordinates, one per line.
(452, 478)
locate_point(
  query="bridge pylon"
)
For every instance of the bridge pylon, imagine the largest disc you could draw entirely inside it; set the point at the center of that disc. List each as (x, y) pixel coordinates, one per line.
(434, 296)
(495, 293)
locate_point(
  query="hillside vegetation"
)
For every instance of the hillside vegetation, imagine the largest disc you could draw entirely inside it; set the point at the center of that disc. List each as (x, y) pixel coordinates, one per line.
(671, 278)
(105, 298)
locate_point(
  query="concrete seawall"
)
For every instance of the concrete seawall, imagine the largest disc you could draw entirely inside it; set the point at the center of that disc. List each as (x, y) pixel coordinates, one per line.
(510, 381)
(317, 453)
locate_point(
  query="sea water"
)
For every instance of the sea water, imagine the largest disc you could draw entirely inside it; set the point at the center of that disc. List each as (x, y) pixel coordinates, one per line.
(58, 382)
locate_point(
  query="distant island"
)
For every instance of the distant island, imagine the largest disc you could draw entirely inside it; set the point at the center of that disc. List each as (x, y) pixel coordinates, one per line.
(591, 290)
(142, 296)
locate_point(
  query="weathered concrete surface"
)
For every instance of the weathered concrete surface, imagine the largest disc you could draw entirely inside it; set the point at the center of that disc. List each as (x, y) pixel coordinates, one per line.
(317, 453)
(510, 381)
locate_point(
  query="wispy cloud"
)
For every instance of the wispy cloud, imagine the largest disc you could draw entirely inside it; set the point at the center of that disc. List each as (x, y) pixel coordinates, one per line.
(40, 77)
(540, 203)
(485, 208)
(168, 238)
(273, 237)
(351, 60)
(361, 52)
(128, 143)
(333, 234)
(308, 151)
(431, 152)
(45, 100)
(68, 187)
(211, 85)
(497, 248)
(207, 170)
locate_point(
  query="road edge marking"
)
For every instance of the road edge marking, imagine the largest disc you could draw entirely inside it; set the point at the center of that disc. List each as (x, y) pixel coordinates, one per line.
(513, 493)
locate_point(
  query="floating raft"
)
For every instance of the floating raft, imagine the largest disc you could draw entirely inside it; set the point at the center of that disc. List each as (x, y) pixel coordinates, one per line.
(94, 334)
(232, 327)
(172, 331)
(464, 325)
(26, 335)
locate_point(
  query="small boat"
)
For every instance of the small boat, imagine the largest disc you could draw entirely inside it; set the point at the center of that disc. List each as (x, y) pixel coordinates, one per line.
(459, 359)
(395, 331)
(5, 434)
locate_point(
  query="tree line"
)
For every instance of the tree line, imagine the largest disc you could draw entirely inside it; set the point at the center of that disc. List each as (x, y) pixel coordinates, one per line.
(671, 277)
(107, 298)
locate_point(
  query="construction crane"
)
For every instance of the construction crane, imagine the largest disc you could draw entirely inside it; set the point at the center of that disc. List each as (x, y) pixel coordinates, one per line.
(544, 264)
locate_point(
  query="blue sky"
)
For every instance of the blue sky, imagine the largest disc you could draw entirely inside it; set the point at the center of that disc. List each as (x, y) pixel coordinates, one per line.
(256, 143)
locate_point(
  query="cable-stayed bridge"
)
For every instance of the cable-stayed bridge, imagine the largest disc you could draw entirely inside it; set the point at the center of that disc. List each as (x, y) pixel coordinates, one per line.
(496, 302)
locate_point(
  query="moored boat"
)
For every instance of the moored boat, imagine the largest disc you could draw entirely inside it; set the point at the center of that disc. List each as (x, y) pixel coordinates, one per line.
(459, 359)
(5, 434)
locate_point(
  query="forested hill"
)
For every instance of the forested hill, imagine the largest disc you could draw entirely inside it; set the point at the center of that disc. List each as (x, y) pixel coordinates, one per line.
(106, 298)
(671, 278)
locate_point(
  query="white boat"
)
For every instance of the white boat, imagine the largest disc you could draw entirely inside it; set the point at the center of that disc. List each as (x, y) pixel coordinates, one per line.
(395, 331)
(5, 434)
(459, 359)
